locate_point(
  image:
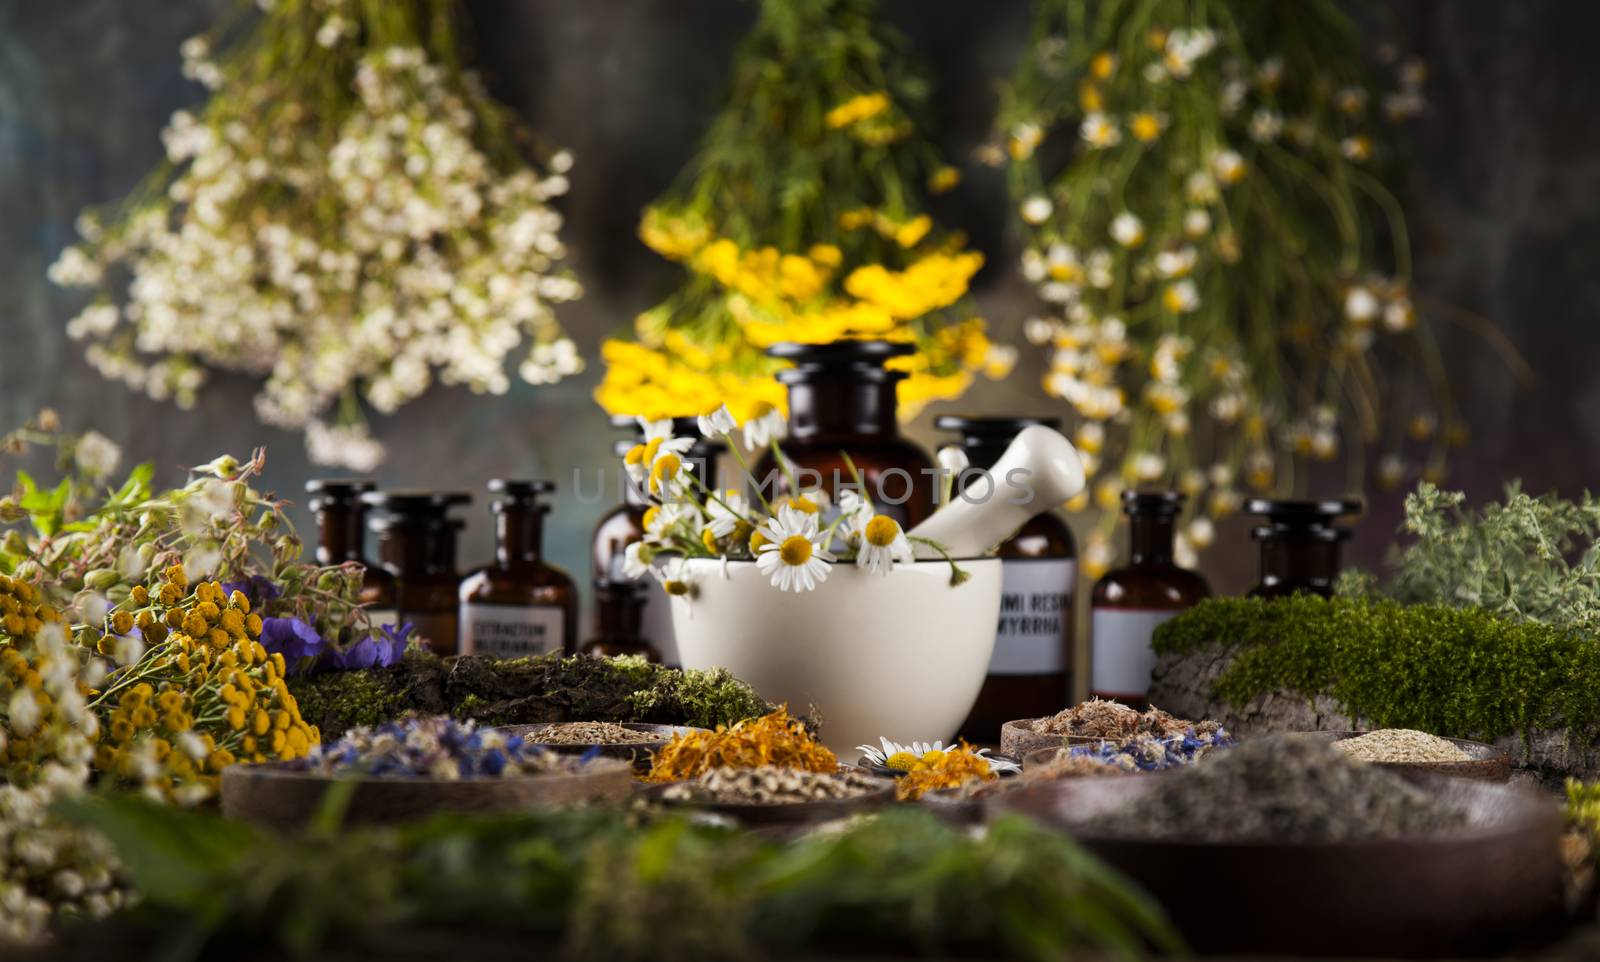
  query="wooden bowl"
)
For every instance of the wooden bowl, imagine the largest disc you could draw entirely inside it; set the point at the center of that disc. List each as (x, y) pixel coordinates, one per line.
(783, 813)
(638, 753)
(276, 796)
(1018, 740)
(1486, 887)
(1487, 763)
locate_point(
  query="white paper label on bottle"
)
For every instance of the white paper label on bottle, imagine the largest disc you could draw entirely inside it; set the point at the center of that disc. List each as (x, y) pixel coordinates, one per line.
(1123, 658)
(655, 622)
(1035, 616)
(510, 631)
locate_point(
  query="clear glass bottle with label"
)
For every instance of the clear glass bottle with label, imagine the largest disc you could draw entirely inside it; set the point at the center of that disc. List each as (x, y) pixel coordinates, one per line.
(417, 545)
(1030, 671)
(1299, 545)
(518, 605)
(1129, 602)
(842, 398)
(619, 608)
(341, 518)
(624, 524)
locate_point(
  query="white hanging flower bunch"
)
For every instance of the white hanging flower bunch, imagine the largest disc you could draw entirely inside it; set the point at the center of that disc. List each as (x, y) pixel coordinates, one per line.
(349, 219)
(1224, 269)
(795, 540)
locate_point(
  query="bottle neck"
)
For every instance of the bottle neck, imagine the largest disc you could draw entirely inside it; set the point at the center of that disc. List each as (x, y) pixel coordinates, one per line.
(518, 530)
(618, 618)
(1150, 539)
(1310, 566)
(836, 407)
(341, 533)
(404, 549)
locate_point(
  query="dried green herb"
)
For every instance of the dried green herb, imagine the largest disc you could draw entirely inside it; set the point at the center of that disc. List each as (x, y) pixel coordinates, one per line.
(1528, 557)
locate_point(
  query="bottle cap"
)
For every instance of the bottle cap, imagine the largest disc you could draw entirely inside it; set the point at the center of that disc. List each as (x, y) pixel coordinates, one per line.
(1158, 503)
(522, 492)
(848, 358)
(336, 492)
(1301, 512)
(411, 503)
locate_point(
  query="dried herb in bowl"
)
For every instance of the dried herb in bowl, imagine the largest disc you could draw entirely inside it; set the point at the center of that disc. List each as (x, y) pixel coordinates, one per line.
(437, 747)
(774, 739)
(1097, 718)
(589, 733)
(769, 785)
(1282, 789)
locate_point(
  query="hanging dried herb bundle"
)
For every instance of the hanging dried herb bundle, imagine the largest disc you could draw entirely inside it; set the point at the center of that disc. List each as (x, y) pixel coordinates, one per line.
(349, 218)
(1226, 271)
(801, 219)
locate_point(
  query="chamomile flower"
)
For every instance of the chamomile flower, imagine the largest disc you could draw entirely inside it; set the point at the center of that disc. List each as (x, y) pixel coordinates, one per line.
(727, 511)
(717, 424)
(812, 501)
(676, 577)
(1127, 229)
(634, 563)
(667, 474)
(767, 426)
(657, 438)
(882, 545)
(792, 554)
(903, 758)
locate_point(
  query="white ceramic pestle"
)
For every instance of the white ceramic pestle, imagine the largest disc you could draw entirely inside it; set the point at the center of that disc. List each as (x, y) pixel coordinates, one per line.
(1039, 471)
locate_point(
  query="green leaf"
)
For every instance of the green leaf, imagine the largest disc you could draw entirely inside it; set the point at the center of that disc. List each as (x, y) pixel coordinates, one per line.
(174, 857)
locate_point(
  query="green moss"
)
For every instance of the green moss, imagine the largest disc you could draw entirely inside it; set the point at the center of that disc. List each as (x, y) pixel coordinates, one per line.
(550, 688)
(1462, 672)
(703, 698)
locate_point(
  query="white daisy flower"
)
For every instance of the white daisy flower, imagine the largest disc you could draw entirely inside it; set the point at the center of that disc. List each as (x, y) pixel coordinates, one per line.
(894, 755)
(883, 544)
(657, 439)
(717, 424)
(633, 564)
(676, 577)
(953, 460)
(767, 426)
(727, 511)
(1127, 229)
(1099, 131)
(1037, 209)
(793, 557)
(812, 501)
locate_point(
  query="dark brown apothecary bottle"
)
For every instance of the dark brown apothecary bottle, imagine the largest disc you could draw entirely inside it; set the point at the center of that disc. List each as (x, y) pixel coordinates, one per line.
(417, 544)
(341, 517)
(619, 608)
(1131, 601)
(1030, 673)
(624, 524)
(842, 398)
(1299, 545)
(518, 606)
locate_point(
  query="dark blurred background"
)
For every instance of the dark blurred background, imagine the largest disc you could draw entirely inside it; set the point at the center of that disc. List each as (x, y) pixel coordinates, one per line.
(1506, 210)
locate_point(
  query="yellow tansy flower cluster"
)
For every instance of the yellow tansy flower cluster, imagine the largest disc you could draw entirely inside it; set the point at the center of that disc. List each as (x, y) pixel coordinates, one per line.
(204, 695)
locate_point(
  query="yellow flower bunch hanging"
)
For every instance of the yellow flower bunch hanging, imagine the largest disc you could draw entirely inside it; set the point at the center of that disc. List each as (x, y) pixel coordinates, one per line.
(803, 223)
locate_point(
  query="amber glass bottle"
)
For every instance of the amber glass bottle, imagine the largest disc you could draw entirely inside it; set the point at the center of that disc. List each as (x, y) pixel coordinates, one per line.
(841, 398)
(518, 605)
(417, 544)
(619, 607)
(624, 524)
(1030, 671)
(1299, 545)
(341, 538)
(1129, 602)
